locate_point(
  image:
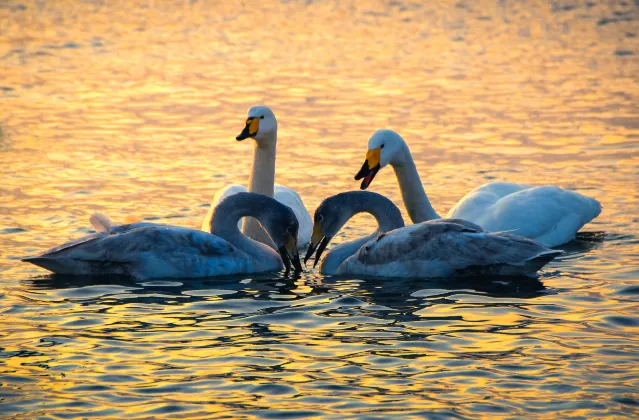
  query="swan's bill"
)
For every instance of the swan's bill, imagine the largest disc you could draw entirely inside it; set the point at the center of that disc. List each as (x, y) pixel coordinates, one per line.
(316, 237)
(370, 167)
(289, 253)
(251, 128)
(320, 249)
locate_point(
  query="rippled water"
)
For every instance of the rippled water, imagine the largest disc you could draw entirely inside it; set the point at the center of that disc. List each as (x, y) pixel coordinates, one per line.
(132, 110)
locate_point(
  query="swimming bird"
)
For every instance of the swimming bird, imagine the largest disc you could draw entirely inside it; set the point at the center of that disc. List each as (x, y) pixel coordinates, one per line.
(547, 214)
(148, 250)
(436, 248)
(261, 126)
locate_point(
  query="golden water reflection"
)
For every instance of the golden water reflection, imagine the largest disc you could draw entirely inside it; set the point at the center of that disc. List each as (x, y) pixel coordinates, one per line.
(132, 109)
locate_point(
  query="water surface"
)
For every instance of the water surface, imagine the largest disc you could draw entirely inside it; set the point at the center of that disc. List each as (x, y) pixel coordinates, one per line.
(132, 110)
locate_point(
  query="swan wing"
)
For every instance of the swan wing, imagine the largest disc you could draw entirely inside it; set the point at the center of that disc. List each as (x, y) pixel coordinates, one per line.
(220, 195)
(146, 252)
(548, 214)
(443, 248)
(293, 200)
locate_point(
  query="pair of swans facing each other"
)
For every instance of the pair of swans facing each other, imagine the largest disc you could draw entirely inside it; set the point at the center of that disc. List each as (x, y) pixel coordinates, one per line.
(440, 248)
(436, 248)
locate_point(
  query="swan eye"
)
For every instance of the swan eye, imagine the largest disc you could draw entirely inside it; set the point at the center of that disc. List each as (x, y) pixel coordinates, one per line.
(262, 117)
(320, 218)
(381, 147)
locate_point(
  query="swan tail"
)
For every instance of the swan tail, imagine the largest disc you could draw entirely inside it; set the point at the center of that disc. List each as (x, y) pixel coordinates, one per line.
(100, 222)
(536, 263)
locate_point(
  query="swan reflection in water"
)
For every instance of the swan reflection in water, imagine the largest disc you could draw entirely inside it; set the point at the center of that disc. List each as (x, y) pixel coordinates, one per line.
(246, 296)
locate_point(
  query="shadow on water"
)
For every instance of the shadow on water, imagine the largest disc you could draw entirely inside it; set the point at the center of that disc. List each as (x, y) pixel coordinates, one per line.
(398, 298)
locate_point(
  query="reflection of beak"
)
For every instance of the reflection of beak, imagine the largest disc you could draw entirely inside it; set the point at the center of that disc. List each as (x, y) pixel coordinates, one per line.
(250, 130)
(370, 168)
(289, 253)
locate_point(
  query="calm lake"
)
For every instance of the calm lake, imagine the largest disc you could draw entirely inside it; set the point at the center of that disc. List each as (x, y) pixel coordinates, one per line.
(132, 108)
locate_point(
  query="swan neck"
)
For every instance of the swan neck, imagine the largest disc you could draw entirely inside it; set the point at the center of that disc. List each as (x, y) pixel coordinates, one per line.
(413, 193)
(386, 214)
(262, 178)
(229, 212)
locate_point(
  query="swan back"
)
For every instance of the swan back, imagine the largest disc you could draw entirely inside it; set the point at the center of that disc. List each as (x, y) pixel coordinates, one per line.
(548, 214)
(442, 248)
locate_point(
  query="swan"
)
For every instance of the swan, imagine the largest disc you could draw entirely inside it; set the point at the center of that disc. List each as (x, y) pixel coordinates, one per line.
(148, 250)
(436, 248)
(261, 125)
(547, 214)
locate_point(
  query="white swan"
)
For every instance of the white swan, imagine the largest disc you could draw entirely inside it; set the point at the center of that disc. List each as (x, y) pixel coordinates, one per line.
(148, 250)
(261, 125)
(437, 248)
(547, 214)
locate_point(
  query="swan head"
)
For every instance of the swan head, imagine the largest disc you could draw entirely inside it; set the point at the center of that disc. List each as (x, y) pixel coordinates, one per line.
(329, 218)
(261, 125)
(282, 226)
(384, 147)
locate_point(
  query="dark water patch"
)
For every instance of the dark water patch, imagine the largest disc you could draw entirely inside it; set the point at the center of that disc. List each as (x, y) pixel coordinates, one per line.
(170, 409)
(606, 21)
(559, 388)
(89, 388)
(630, 290)
(8, 231)
(274, 389)
(623, 321)
(66, 45)
(627, 401)
(282, 414)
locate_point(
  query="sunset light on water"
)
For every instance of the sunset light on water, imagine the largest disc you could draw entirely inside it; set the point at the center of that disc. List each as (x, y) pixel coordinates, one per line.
(132, 109)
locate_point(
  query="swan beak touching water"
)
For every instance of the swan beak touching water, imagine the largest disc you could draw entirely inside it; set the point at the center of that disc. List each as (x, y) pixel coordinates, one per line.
(289, 253)
(370, 167)
(318, 238)
(251, 128)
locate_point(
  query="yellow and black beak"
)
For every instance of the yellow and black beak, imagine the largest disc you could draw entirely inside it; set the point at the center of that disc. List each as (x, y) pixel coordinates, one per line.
(317, 238)
(370, 168)
(250, 130)
(289, 253)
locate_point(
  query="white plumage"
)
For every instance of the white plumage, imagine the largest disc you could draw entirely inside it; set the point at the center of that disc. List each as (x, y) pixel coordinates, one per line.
(261, 125)
(547, 214)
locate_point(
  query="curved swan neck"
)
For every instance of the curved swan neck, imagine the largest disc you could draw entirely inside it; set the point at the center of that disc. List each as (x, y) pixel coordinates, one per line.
(413, 193)
(386, 213)
(262, 178)
(351, 203)
(231, 210)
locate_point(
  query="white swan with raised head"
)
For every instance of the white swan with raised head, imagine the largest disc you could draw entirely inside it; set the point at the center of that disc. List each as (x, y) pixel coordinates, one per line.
(148, 250)
(261, 126)
(547, 214)
(437, 248)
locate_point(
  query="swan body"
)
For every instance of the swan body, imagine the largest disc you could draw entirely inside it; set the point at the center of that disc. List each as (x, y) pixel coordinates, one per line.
(546, 214)
(261, 125)
(148, 250)
(436, 248)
